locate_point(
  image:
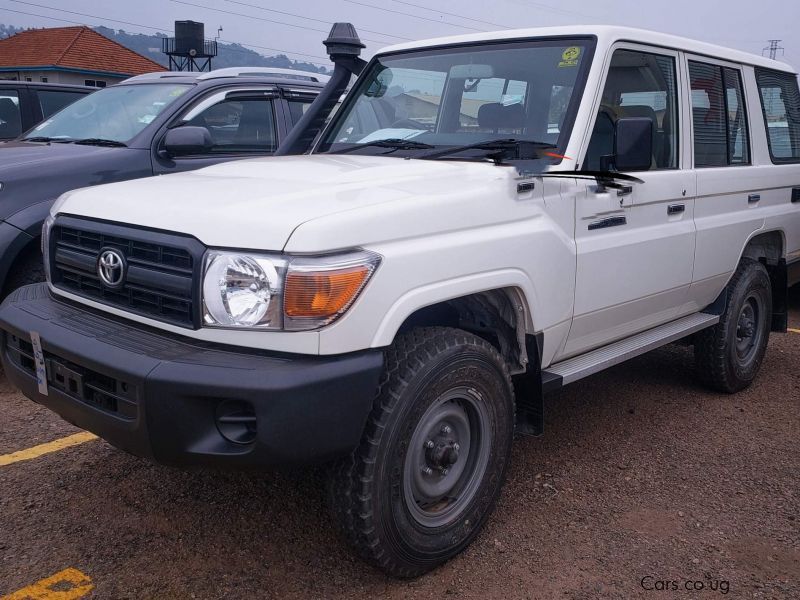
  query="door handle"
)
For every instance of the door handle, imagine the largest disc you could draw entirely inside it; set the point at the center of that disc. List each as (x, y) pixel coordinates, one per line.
(753, 198)
(609, 222)
(676, 209)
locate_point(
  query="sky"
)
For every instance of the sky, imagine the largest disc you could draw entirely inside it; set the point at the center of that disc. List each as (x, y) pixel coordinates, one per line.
(296, 28)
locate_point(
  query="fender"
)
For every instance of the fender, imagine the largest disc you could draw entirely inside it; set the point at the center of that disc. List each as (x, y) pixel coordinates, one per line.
(428, 295)
(12, 243)
(30, 218)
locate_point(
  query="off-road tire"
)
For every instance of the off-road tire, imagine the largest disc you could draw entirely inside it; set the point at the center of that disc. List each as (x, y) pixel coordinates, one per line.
(718, 364)
(366, 490)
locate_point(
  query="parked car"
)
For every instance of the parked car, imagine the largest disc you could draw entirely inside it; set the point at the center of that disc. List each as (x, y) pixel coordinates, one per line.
(486, 219)
(23, 104)
(151, 124)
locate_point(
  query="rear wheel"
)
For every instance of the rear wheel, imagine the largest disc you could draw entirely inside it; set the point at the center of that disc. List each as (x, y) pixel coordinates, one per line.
(433, 455)
(728, 356)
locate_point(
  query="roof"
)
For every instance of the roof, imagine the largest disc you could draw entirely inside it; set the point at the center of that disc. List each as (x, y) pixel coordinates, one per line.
(72, 48)
(36, 84)
(278, 75)
(606, 36)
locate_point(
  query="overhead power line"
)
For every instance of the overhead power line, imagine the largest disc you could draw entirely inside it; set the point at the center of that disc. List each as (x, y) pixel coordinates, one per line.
(280, 12)
(153, 28)
(399, 12)
(238, 14)
(436, 10)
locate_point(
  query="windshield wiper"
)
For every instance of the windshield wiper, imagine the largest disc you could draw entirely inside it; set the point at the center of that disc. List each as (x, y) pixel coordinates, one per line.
(101, 142)
(504, 148)
(42, 138)
(392, 143)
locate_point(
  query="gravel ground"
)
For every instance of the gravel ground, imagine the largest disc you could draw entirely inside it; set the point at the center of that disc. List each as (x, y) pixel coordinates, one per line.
(641, 475)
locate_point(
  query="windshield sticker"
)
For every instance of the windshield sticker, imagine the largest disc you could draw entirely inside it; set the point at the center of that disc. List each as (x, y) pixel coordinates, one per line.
(509, 99)
(147, 119)
(391, 133)
(570, 57)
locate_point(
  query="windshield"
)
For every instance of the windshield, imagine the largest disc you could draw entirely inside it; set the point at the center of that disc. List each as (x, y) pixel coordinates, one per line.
(117, 113)
(462, 96)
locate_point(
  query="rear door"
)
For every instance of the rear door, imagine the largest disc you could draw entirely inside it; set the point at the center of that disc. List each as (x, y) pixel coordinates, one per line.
(635, 247)
(243, 123)
(731, 191)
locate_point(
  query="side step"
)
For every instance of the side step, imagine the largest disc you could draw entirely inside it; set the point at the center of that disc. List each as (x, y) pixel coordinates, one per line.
(595, 361)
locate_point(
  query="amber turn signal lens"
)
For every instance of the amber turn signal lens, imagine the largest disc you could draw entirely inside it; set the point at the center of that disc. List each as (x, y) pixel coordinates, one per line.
(319, 295)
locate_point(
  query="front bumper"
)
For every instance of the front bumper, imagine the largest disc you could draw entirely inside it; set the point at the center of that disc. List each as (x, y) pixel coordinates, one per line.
(170, 399)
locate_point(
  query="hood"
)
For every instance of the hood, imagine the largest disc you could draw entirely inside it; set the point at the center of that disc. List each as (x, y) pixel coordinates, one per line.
(261, 203)
(37, 172)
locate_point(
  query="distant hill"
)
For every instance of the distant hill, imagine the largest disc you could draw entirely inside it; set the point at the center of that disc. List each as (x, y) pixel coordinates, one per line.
(230, 55)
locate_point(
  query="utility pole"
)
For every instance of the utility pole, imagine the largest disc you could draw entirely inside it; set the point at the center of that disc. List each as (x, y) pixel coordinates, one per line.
(774, 48)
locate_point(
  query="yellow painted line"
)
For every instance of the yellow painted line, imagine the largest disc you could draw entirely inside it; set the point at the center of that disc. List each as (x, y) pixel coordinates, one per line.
(794, 330)
(48, 448)
(69, 584)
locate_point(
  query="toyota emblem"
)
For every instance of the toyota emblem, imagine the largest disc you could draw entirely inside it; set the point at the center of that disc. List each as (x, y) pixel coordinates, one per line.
(111, 268)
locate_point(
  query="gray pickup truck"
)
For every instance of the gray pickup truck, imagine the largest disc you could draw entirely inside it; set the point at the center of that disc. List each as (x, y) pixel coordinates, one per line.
(152, 124)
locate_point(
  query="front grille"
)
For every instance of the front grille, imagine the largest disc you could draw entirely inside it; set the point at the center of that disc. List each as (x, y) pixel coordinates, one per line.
(111, 395)
(160, 273)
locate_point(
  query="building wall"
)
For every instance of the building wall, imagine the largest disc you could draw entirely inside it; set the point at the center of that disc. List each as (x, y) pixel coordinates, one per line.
(60, 77)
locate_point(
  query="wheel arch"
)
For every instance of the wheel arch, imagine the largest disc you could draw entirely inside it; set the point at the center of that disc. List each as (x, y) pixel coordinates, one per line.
(497, 309)
(769, 248)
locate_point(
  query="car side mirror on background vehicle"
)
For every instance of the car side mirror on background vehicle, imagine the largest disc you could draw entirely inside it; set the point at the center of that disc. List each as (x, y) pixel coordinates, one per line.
(187, 140)
(633, 144)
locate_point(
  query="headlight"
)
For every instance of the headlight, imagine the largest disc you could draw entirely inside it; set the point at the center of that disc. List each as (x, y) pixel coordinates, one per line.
(242, 290)
(278, 292)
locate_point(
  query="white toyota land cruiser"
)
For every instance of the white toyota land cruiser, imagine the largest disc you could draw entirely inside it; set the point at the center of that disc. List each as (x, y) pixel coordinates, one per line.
(485, 219)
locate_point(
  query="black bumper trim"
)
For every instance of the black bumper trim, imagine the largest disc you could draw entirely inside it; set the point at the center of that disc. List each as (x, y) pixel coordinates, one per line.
(308, 409)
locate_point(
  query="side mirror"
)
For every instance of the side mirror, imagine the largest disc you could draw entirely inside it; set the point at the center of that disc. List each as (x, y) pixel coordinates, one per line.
(187, 140)
(633, 144)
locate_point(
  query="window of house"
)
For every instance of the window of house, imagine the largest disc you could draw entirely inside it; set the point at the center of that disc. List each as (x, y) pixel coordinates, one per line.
(641, 85)
(719, 115)
(780, 103)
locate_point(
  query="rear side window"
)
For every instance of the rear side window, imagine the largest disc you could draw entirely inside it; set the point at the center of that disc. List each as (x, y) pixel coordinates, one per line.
(780, 102)
(53, 101)
(721, 136)
(10, 119)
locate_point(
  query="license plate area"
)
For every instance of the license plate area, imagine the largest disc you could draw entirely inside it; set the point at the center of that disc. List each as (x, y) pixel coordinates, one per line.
(65, 379)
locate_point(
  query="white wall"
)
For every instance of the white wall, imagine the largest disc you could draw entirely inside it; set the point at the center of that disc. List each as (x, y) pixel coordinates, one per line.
(60, 77)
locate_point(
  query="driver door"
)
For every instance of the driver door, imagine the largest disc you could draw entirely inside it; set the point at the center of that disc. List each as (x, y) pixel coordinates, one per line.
(242, 122)
(635, 247)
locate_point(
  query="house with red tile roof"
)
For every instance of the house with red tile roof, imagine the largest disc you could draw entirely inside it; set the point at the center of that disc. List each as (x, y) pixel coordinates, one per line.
(77, 55)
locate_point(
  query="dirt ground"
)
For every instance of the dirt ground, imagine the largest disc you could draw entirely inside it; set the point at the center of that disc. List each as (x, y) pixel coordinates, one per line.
(642, 481)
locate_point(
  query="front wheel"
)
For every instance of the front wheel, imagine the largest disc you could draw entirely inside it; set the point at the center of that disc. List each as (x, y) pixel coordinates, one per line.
(728, 356)
(433, 455)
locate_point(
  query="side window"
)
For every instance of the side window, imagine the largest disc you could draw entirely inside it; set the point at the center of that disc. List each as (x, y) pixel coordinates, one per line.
(10, 118)
(780, 102)
(643, 85)
(239, 124)
(53, 101)
(297, 108)
(719, 115)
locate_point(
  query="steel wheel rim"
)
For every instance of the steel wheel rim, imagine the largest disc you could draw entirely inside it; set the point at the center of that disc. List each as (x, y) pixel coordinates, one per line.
(447, 457)
(749, 329)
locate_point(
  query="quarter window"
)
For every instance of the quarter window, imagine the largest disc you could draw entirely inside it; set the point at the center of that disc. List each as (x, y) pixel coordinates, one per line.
(10, 119)
(780, 102)
(719, 116)
(643, 85)
(53, 101)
